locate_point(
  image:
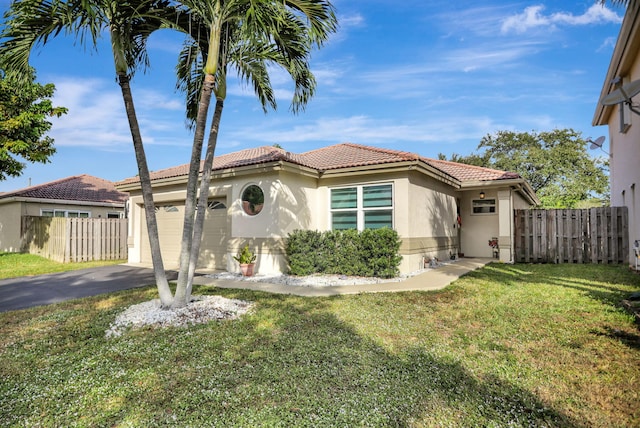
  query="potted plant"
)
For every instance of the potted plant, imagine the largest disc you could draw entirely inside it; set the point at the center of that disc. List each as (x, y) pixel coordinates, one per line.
(246, 259)
(493, 243)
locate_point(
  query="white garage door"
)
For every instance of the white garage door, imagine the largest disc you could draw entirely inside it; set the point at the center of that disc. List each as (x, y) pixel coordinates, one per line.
(170, 217)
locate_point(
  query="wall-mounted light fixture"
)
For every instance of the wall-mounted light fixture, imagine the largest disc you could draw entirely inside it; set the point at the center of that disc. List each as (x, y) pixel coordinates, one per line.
(481, 194)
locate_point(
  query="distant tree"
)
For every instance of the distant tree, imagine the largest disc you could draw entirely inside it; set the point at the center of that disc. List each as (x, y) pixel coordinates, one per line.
(24, 108)
(555, 163)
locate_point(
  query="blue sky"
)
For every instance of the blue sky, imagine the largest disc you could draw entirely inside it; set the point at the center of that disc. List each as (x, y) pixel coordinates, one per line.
(422, 76)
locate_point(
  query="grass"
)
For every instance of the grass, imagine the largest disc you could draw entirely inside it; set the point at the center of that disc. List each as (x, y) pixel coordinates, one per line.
(14, 265)
(522, 345)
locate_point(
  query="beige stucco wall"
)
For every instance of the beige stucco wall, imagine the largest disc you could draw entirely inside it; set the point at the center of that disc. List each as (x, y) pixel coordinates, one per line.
(35, 209)
(290, 201)
(477, 229)
(429, 229)
(11, 212)
(10, 218)
(425, 214)
(421, 205)
(625, 164)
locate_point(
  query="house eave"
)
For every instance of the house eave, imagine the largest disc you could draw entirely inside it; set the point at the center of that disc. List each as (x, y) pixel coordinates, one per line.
(385, 168)
(518, 184)
(622, 59)
(61, 202)
(227, 173)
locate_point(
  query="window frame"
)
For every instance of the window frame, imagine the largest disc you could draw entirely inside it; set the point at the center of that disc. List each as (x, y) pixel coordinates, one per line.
(359, 209)
(485, 204)
(65, 213)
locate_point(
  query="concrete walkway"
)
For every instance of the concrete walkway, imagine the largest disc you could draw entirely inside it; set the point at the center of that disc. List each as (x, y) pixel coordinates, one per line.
(432, 279)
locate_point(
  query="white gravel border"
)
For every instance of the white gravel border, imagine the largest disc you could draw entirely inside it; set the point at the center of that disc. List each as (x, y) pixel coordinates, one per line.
(201, 309)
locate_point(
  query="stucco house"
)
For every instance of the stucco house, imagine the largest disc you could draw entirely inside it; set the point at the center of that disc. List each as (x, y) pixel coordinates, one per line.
(623, 124)
(76, 196)
(258, 196)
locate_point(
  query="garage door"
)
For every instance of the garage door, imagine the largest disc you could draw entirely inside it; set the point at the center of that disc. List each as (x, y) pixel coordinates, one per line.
(170, 217)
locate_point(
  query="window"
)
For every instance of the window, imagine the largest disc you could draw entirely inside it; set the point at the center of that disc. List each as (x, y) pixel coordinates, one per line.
(114, 215)
(362, 207)
(483, 206)
(252, 200)
(217, 205)
(65, 213)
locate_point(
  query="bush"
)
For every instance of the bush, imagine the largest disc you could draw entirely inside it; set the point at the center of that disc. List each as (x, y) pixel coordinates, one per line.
(373, 252)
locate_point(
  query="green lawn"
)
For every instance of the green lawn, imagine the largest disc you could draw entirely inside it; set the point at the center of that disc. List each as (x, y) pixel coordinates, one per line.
(13, 265)
(523, 345)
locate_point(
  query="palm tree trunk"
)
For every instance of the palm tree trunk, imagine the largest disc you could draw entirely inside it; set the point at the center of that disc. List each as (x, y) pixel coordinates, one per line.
(183, 293)
(205, 181)
(147, 194)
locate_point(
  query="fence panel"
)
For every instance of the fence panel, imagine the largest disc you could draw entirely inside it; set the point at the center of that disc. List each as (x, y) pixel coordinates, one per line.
(75, 239)
(596, 235)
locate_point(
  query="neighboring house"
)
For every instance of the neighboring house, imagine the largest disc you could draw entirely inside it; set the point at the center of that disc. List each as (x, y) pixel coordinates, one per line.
(624, 125)
(258, 196)
(77, 196)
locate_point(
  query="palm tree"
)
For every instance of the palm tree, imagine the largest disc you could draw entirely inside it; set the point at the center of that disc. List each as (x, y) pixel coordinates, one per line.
(249, 37)
(128, 23)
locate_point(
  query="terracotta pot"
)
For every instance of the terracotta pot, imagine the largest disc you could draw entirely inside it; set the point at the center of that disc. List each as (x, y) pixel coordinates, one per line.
(247, 269)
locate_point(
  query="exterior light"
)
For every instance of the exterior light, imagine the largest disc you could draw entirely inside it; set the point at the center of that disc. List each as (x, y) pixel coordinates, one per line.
(481, 194)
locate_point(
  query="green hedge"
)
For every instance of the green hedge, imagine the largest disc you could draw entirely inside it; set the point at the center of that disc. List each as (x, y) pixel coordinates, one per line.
(372, 252)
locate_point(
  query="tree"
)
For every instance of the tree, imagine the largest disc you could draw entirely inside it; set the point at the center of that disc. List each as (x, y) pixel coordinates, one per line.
(555, 163)
(24, 108)
(128, 24)
(249, 37)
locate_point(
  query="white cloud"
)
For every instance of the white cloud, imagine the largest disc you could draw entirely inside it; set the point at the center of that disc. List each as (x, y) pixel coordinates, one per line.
(97, 117)
(363, 129)
(349, 21)
(608, 43)
(596, 14)
(533, 17)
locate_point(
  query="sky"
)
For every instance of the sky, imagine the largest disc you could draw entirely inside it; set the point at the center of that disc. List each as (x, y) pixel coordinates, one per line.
(426, 77)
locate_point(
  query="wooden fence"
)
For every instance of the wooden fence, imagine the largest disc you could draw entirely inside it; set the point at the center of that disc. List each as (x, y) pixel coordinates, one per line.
(75, 239)
(595, 235)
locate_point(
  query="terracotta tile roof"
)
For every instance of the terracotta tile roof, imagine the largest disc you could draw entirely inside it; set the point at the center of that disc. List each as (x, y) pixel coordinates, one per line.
(464, 172)
(345, 155)
(84, 188)
(246, 157)
(349, 155)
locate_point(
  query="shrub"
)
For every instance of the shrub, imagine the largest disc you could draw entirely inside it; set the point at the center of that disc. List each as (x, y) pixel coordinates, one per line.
(373, 252)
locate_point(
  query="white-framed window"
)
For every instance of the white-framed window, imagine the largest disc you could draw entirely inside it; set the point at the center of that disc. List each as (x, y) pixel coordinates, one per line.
(483, 206)
(115, 215)
(362, 207)
(65, 213)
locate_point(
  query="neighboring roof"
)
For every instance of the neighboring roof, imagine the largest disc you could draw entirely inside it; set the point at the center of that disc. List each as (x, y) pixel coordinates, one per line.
(339, 156)
(624, 55)
(85, 188)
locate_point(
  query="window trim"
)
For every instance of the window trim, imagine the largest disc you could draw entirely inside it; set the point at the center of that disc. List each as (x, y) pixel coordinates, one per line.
(359, 208)
(494, 205)
(246, 208)
(65, 213)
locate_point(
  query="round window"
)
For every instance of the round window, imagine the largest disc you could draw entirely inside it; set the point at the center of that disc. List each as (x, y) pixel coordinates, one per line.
(252, 199)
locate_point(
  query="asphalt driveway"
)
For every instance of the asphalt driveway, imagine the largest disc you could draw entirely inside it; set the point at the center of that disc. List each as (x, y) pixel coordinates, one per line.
(25, 292)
